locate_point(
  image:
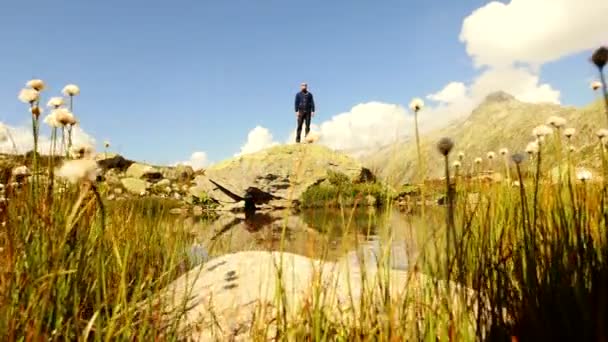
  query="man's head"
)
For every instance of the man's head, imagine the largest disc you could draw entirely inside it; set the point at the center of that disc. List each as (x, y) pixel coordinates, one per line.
(304, 87)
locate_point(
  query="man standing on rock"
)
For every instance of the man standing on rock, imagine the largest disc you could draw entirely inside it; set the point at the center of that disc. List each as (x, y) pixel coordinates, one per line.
(305, 110)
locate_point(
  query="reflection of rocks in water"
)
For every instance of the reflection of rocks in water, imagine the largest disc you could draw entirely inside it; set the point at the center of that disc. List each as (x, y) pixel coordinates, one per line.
(372, 253)
(260, 230)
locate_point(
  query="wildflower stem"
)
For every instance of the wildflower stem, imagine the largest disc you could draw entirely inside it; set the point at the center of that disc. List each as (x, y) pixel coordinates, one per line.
(421, 170)
(536, 184)
(449, 215)
(604, 91)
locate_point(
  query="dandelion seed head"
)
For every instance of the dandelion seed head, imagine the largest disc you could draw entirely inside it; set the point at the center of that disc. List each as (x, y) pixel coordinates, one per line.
(503, 151)
(583, 175)
(491, 155)
(27, 95)
(71, 90)
(416, 104)
(596, 85)
(445, 145)
(36, 84)
(64, 117)
(602, 133)
(532, 147)
(517, 158)
(569, 132)
(55, 102)
(79, 170)
(478, 160)
(541, 131)
(82, 151)
(36, 111)
(600, 57)
(106, 144)
(461, 155)
(556, 121)
(457, 164)
(20, 171)
(571, 148)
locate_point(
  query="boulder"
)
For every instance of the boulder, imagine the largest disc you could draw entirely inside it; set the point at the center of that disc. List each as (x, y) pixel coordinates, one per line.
(280, 173)
(227, 297)
(144, 171)
(162, 184)
(114, 162)
(134, 186)
(179, 173)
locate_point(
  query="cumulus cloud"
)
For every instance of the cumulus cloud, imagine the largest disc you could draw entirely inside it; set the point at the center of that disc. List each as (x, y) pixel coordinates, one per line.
(451, 92)
(198, 161)
(511, 41)
(533, 31)
(258, 139)
(366, 125)
(24, 141)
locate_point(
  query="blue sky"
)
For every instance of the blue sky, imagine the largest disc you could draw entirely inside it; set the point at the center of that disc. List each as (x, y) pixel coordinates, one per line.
(162, 79)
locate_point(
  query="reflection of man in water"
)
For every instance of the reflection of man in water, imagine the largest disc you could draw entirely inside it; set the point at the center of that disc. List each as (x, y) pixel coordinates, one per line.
(305, 110)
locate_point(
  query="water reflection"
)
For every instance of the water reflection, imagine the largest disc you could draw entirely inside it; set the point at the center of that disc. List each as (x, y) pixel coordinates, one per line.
(359, 237)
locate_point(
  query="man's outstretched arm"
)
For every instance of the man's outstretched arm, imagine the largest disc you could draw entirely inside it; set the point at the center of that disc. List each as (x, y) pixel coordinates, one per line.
(312, 104)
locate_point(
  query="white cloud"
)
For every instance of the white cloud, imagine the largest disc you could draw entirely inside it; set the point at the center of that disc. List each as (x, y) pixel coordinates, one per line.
(198, 160)
(533, 31)
(451, 92)
(366, 125)
(24, 140)
(258, 139)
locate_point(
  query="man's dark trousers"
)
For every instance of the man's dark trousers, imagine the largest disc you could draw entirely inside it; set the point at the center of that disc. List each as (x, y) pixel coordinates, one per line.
(303, 118)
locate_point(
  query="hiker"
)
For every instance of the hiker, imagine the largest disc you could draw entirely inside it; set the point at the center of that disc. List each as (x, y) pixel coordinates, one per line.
(305, 110)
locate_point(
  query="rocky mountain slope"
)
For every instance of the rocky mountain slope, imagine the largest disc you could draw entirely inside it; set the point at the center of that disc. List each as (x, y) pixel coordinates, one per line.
(501, 121)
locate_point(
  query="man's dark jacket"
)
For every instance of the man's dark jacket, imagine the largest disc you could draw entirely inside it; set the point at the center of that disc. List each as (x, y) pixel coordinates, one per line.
(304, 102)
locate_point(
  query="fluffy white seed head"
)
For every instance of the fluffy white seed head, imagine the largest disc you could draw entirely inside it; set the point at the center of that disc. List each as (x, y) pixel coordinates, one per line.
(71, 90)
(51, 120)
(491, 155)
(503, 151)
(416, 104)
(79, 170)
(556, 121)
(55, 102)
(27, 95)
(457, 164)
(596, 85)
(36, 111)
(541, 131)
(64, 117)
(583, 175)
(571, 148)
(82, 151)
(532, 147)
(106, 144)
(36, 84)
(478, 160)
(460, 155)
(569, 132)
(20, 171)
(602, 133)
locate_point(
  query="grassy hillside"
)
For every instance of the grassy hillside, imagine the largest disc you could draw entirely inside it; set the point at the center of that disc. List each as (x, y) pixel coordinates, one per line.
(501, 121)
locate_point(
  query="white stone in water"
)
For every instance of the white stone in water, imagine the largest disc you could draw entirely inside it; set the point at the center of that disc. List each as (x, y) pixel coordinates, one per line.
(226, 293)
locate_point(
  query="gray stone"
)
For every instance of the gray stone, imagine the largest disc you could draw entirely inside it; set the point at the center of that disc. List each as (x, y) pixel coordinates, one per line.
(282, 172)
(134, 186)
(229, 291)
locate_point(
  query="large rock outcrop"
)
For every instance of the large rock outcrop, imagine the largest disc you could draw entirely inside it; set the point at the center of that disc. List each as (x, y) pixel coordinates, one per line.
(280, 174)
(234, 296)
